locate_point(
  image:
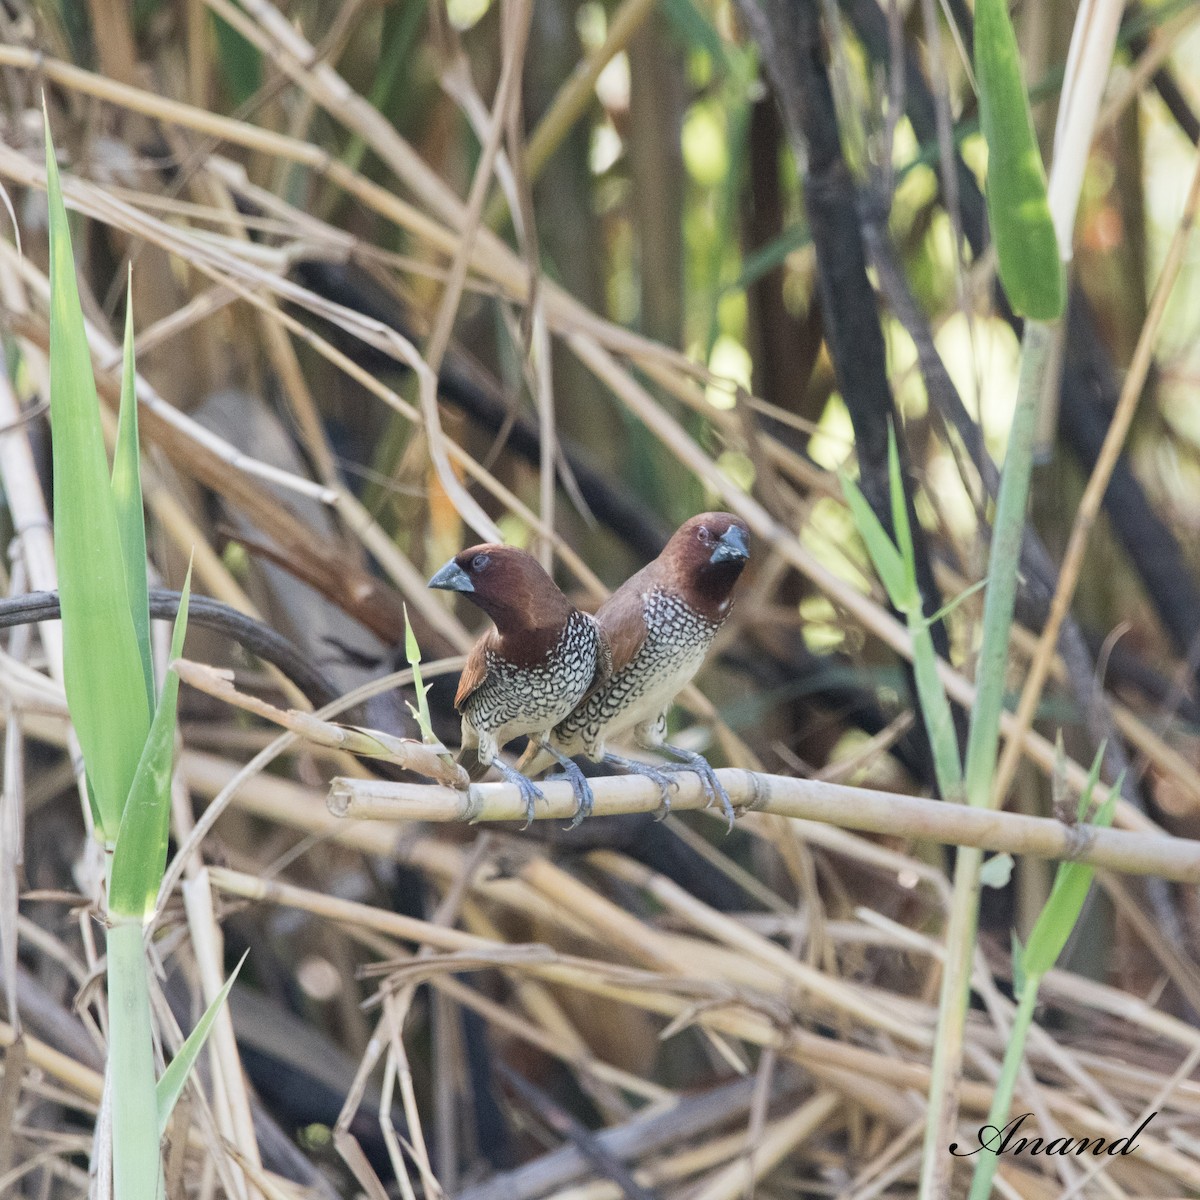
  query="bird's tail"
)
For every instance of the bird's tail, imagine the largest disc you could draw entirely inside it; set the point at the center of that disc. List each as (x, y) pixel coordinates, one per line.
(468, 759)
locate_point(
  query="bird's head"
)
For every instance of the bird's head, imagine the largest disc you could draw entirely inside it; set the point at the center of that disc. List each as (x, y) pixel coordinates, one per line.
(508, 584)
(705, 558)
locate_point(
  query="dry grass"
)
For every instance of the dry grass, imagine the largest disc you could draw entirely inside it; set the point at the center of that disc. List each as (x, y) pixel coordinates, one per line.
(804, 959)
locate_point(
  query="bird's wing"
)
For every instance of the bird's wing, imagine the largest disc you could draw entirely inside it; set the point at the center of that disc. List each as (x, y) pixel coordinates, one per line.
(604, 657)
(475, 671)
(623, 624)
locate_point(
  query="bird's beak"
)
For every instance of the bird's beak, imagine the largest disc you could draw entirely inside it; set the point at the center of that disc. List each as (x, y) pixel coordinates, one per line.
(732, 547)
(452, 578)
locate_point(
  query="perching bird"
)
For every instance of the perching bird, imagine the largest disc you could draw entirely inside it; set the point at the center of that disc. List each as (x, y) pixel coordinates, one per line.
(530, 671)
(659, 624)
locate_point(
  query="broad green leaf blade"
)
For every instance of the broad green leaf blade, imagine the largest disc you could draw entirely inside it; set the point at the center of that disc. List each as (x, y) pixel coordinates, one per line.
(1071, 884)
(105, 683)
(127, 495)
(170, 1085)
(1026, 248)
(888, 563)
(141, 852)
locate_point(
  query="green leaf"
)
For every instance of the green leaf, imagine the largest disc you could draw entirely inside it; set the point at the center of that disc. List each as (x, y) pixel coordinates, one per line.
(1026, 248)
(887, 560)
(766, 258)
(241, 62)
(697, 30)
(412, 652)
(1018, 962)
(1071, 884)
(127, 495)
(170, 1085)
(105, 682)
(955, 601)
(904, 540)
(140, 856)
(137, 1164)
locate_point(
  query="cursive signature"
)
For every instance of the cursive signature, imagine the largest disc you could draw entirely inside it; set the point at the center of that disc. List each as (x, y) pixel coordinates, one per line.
(1008, 1140)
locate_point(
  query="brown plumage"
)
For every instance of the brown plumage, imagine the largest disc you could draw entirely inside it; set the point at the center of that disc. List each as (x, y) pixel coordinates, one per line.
(527, 673)
(659, 625)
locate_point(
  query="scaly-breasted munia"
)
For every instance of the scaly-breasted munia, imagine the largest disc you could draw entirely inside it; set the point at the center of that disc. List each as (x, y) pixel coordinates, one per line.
(659, 624)
(530, 671)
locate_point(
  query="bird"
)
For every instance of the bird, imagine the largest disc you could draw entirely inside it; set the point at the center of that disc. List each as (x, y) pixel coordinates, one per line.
(528, 672)
(659, 626)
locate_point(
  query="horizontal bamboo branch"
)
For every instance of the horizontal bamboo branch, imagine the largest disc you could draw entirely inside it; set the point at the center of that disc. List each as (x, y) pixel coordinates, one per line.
(852, 808)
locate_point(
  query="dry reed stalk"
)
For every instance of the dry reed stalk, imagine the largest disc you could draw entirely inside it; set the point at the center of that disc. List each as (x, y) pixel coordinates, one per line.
(819, 1054)
(599, 359)
(698, 967)
(232, 1102)
(1158, 854)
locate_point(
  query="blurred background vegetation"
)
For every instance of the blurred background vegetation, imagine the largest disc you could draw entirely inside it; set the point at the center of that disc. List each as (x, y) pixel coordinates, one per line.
(750, 254)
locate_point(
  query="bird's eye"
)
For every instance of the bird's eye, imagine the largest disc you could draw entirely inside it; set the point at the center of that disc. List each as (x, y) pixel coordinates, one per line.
(704, 534)
(479, 562)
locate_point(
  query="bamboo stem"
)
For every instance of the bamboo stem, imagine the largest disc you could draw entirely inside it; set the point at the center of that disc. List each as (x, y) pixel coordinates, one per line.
(863, 809)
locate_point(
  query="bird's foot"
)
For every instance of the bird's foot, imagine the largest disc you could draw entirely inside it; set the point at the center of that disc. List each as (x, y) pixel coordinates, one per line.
(584, 800)
(530, 792)
(713, 788)
(666, 785)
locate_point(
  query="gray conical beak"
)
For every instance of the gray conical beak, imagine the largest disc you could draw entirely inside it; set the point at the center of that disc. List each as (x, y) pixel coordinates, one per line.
(452, 578)
(732, 546)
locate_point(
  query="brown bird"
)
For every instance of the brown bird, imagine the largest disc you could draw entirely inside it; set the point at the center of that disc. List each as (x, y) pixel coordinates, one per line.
(659, 624)
(530, 671)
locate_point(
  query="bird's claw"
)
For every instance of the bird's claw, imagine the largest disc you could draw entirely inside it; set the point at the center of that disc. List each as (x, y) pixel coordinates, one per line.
(665, 783)
(714, 790)
(583, 791)
(529, 790)
(531, 794)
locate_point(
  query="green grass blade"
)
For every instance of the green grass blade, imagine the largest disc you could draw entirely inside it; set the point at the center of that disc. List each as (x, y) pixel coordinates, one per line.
(990, 1134)
(904, 538)
(170, 1085)
(935, 708)
(105, 684)
(1054, 925)
(137, 1164)
(896, 568)
(1018, 210)
(766, 258)
(1008, 530)
(955, 601)
(141, 852)
(127, 494)
(1072, 881)
(412, 652)
(886, 559)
